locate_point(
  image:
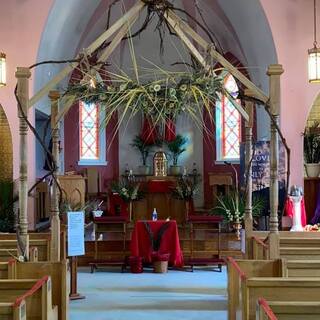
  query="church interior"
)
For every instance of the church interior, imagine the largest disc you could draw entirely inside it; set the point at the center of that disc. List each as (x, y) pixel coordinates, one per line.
(161, 159)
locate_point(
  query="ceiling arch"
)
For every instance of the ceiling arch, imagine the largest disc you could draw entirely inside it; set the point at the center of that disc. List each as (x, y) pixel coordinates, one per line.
(240, 27)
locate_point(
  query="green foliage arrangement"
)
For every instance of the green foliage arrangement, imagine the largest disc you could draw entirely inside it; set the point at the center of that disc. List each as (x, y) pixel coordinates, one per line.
(311, 143)
(176, 148)
(144, 148)
(170, 94)
(227, 206)
(128, 190)
(186, 188)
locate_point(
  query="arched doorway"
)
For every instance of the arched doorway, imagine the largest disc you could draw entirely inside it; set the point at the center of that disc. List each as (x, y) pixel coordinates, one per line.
(6, 152)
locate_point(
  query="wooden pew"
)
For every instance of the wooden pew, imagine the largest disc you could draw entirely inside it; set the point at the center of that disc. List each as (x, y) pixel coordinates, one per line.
(276, 289)
(40, 240)
(287, 310)
(8, 269)
(58, 273)
(36, 295)
(239, 270)
(9, 311)
(301, 268)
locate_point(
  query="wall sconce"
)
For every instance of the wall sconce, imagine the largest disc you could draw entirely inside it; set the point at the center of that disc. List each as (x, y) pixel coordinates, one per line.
(314, 53)
(3, 81)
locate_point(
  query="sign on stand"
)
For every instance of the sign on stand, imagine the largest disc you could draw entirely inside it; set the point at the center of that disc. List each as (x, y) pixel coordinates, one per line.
(75, 248)
(75, 233)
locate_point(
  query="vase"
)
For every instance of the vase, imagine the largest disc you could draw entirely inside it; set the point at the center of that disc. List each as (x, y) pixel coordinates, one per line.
(144, 170)
(312, 169)
(130, 211)
(237, 227)
(175, 170)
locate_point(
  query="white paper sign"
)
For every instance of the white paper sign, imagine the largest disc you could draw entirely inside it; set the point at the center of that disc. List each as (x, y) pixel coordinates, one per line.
(75, 233)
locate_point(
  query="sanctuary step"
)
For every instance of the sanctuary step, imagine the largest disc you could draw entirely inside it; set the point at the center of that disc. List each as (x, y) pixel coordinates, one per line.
(205, 247)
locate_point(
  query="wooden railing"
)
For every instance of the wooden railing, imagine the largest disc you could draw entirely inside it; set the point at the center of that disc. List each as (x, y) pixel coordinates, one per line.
(264, 311)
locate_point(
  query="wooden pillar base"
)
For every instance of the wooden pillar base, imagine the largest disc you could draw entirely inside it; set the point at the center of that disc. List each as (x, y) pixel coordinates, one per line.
(24, 238)
(55, 239)
(248, 222)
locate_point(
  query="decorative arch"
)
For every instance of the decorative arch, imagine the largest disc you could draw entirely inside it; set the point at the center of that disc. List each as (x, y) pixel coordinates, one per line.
(6, 150)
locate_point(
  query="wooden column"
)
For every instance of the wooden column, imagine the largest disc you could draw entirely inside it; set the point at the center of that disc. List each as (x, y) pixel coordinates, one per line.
(54, 205)
(248, 221)
(274, 72)
(22, 75)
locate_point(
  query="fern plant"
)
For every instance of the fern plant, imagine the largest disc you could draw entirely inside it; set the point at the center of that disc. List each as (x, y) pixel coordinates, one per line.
(143, 148)
(176, 148)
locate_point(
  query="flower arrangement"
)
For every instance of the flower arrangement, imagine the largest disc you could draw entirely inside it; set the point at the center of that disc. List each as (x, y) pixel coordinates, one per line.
(128, 190)
(186, 188)
(227, 207)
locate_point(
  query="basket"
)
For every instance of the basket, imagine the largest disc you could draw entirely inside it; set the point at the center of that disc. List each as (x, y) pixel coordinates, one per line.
(160, 266)
(160, 262)
(136, 265)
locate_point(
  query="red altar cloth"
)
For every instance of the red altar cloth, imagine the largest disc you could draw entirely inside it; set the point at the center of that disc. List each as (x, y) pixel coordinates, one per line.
(141, 246)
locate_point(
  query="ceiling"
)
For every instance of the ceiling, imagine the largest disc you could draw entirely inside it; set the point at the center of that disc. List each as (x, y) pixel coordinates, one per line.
(239, 26)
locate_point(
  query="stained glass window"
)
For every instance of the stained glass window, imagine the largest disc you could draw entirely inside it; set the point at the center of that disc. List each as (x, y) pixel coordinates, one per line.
(228, 124)
(89, 131)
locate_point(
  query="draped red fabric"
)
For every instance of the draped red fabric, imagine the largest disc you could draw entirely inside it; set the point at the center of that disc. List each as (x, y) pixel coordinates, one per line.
(141, 247)
(289, 210)
(117, 202)
(149, 132)
(170, 130)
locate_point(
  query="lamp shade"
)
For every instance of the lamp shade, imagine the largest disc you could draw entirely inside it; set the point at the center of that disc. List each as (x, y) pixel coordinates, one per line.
(2, 69)
(314, 64)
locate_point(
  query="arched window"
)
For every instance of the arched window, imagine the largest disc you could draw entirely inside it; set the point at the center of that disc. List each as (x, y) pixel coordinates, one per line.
(92, 136)
(228, 124)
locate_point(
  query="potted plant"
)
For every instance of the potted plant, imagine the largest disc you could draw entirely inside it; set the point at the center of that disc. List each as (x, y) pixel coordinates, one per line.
(128, 191)
(186, 189)
(144, 149)
(232, 207)
(176, 148)
(311, 148)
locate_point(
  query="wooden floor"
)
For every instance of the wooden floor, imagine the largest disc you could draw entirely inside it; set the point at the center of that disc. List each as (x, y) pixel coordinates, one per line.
(205, 246)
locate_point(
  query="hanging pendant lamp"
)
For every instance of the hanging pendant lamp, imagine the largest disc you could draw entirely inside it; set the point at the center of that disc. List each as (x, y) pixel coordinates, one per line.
(3, 81)
(314, 53)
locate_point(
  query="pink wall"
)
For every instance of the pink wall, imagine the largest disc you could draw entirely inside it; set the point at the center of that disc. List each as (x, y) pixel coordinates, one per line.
(291, 22)
(21, 25)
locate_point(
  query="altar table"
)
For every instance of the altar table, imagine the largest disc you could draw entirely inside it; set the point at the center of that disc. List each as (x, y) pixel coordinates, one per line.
(141, 244)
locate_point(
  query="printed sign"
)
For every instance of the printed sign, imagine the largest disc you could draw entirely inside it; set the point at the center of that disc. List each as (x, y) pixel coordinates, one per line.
(75, 233)
(261, 165)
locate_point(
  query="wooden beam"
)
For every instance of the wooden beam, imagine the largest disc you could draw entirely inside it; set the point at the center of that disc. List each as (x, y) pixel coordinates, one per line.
(194, 51)
(258, 93)
(95, 45)
(117, 39)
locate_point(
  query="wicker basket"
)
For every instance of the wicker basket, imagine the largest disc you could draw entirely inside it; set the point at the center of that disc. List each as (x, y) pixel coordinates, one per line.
(160, 266)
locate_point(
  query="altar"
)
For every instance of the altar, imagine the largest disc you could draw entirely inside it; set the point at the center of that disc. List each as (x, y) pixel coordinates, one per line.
(158, 194)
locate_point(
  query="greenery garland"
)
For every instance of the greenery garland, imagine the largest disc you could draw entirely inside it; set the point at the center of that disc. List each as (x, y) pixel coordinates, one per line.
(160, 99)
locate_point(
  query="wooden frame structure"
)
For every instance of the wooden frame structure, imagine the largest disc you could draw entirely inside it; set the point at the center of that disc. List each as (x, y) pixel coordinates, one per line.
(192, 40)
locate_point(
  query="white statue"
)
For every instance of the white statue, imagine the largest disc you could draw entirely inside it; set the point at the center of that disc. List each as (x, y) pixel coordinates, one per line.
(296, 197)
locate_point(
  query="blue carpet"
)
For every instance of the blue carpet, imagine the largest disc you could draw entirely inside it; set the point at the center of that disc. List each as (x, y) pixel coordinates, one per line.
(148, 296)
